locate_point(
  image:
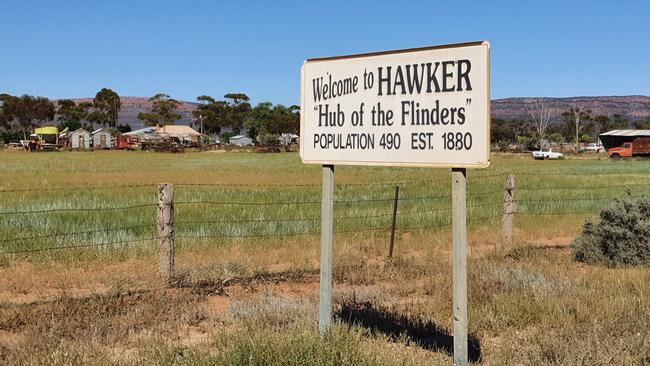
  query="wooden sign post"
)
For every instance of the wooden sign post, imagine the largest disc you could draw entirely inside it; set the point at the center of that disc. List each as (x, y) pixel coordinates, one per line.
(423, 107)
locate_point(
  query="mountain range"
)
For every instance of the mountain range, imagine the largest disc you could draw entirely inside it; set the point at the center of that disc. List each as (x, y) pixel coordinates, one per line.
(633, 107)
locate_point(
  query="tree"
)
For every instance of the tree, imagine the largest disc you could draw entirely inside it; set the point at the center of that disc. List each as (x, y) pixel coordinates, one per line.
(107, 105)
(163, 111)
(271, 122)
(5, 118)
(604, 123)
(26, 112)
(556, 137)
(501, 131)
(620, 122)
(239, 107)
(212, 114)
(215, 115)
(541, 116)
(71, 114)
(576, 120)
(643, 124)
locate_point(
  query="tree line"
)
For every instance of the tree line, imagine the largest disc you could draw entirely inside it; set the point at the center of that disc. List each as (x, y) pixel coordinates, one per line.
(577, 126)
(265, 122)
(20, 115)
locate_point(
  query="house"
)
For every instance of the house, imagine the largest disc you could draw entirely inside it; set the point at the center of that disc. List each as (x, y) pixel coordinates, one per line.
(240, 140)
(80, 139)
(102, 139)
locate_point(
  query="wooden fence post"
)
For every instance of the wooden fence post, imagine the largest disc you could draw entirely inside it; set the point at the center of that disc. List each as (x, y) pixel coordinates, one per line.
(165, 222)
(393, 226)
(509, 210)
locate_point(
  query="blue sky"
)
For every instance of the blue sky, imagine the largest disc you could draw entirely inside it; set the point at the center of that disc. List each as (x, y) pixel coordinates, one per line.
(67, 49)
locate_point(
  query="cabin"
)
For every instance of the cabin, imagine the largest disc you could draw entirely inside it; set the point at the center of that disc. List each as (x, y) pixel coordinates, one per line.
(102, 139)
(80, 139)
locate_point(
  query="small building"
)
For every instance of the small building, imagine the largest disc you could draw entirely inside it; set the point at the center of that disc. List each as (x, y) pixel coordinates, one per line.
(80, 139)
(102, 139)
(241, 140)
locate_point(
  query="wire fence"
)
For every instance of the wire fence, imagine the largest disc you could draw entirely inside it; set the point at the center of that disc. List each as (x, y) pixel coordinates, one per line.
(125, 215)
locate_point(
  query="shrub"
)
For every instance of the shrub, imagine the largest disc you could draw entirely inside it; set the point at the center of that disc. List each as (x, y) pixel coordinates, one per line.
(503, 145)
(621, 237)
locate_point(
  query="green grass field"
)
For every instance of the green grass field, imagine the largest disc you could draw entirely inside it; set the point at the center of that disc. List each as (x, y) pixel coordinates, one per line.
(79, 282)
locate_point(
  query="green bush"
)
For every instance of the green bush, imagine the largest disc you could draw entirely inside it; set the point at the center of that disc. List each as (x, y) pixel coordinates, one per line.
(620, 237)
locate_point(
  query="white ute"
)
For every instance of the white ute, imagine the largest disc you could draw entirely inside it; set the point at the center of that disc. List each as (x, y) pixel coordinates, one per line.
(547, 154)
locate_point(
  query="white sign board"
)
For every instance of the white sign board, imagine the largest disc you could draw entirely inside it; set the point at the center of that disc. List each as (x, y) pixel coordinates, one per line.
(419, 107)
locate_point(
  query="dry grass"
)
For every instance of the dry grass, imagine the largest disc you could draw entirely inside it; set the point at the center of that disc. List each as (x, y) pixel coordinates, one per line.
(254, 300)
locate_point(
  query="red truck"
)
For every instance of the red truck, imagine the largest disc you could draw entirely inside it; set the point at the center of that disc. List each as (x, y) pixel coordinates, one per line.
(638, 147)
(127, 142)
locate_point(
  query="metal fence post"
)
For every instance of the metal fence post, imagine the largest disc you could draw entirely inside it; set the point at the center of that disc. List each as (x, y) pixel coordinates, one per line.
(459, 264)
(327, 232)
(509, 210)
(394, 224)
(165, 223)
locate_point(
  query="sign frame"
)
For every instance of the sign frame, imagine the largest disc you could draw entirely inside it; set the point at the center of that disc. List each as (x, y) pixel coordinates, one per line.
(478, 165)
(458, 212)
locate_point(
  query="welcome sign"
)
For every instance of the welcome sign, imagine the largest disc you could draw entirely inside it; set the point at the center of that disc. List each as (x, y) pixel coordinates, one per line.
(418, 107)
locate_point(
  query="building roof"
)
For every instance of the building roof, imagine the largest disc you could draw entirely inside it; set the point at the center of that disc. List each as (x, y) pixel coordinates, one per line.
(179, 131)
(626, 133)
(80, 130)
(47, 131)
(142, 131)
(618, 137)
(237, 137)
(99, 130)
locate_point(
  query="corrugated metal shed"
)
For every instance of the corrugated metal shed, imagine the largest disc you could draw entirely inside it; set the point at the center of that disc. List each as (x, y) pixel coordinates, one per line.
(616, 138)
(80, 139)
(102, 139)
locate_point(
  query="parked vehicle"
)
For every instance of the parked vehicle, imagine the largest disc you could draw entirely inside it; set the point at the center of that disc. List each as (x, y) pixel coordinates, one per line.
(593, 147)
(639, 147)
(547, 154)
(127, 142)
(43, 138)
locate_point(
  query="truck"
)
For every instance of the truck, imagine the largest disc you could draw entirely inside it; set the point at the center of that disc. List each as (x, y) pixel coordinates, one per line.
(43, 138)
(638, 147)
(127, 142)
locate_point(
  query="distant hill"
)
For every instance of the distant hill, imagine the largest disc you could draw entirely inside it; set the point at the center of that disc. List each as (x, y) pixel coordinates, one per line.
(635, 107)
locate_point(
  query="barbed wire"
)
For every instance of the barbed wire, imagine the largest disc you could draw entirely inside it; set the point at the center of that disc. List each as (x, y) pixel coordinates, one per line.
(72, 209)
(57, 235)
(558, 213)
(75, 188)
(77, 246)
(581, 187)
(570, 199)
(229, 184)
